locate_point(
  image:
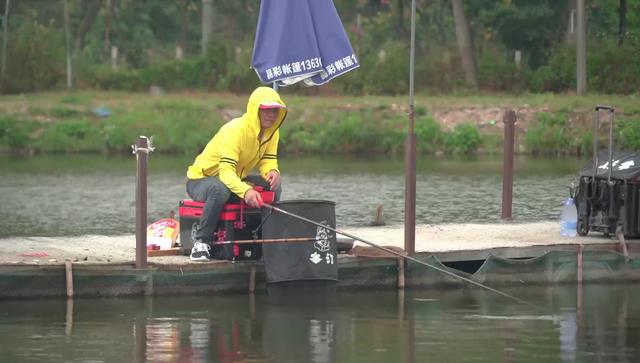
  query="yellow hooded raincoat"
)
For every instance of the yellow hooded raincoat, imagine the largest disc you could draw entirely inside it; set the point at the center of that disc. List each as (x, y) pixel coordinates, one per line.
(235, 149)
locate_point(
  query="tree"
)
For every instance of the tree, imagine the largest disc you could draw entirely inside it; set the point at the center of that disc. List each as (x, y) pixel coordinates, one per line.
(464, 43)
(207, 24)
(90, 9)
(622, 21)
(5, 37)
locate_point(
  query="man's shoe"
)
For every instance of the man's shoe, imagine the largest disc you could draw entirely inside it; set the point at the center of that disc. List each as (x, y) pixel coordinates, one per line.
(200, 251)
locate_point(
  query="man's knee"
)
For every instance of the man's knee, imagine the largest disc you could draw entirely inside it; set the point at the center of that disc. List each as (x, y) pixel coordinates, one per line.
(218, 191)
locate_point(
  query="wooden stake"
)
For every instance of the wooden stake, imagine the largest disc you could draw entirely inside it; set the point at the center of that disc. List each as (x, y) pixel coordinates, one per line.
(623, 243)
(401, 273)
(69, 273)
(579, 264)
(252, 279)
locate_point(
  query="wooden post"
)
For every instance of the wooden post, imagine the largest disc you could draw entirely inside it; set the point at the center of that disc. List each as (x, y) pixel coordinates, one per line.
(579, 272)
(623, 244)
(68, 324)
(509, 120)
(148, 285)
(69, 274)
(410, 152)
(252, 278)
(142, 149)
(401, 265)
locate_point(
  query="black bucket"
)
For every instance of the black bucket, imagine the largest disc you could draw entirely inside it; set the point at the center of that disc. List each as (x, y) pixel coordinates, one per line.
(293, 261)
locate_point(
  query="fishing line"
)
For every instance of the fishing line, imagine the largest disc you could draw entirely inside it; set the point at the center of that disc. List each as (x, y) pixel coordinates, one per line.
(400, 255)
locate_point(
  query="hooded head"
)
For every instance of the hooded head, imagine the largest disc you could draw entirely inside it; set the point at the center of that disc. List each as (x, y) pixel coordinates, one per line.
(265, 109)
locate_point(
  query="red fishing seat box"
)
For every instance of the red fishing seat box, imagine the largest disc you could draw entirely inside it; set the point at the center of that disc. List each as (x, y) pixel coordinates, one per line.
(237, 221)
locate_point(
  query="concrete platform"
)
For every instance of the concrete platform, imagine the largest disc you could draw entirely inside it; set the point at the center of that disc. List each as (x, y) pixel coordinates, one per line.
(494, 254)
(449, 241)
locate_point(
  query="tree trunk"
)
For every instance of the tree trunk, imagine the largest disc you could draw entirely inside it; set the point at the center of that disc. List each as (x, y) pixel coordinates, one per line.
(622, 22)
(464, 43)
(570, 36)
(400, 19)
(90, 10)
(5, 37)
(67, 41)
(106, 44)
(581, 49)
(207, 23)
(184, 24)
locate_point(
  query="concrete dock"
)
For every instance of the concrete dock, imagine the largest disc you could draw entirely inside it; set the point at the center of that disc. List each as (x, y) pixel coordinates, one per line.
(445, 239)
(494, 254)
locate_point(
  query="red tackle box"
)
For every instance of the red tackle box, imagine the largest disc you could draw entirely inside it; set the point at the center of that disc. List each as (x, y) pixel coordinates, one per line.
(237, 221)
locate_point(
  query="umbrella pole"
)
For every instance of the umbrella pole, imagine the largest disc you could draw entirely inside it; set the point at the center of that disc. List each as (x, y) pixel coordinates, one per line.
(410, 150)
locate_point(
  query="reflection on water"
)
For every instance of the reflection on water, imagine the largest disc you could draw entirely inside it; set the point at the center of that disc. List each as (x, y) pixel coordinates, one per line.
(76, 195)
(383, 326)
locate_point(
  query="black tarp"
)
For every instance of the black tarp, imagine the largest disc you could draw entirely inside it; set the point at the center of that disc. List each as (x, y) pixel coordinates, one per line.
(626, 165)
(315, 260)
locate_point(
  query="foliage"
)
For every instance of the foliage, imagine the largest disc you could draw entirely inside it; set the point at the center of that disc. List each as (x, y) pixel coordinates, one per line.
(146, 35)
(559, 74)
(610, 70)
(629, 134)
(70, 136)
(14, 133)
(496, 74)
(549, 135)
(528, 25)
(316, 125)
(428, 134)
(35, 54)
(464, 139)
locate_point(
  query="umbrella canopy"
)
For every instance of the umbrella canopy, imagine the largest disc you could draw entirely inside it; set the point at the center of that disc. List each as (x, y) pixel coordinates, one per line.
(301, 40)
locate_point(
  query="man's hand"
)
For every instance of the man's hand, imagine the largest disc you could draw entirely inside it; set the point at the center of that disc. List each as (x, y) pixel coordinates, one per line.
(273, 178)
(253, 199)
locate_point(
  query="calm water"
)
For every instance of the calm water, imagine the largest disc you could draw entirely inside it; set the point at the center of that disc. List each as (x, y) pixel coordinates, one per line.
(76, 195)
(418, 326)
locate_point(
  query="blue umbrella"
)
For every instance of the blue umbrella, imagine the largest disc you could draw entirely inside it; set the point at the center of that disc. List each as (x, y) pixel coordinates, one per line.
(301, 40)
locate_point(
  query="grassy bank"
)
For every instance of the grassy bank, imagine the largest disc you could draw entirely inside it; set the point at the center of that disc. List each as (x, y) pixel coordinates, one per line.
(109, 122)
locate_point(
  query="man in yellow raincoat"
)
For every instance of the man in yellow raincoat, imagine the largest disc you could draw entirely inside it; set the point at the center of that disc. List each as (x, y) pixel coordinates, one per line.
(244, 143)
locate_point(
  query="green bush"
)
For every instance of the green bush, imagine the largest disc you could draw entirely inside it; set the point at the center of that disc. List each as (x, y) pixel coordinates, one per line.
(14, 133)
(70, 136)
(428, 134)
(613, 69)
(386, 71)
(629, 134)
(558, 75)
(35, 56)
(175, 126)
(549, 135)
(464, 139)
(496, 74)
(64, 112)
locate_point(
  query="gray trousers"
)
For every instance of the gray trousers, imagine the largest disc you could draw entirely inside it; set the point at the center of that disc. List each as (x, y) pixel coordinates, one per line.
(215, 194)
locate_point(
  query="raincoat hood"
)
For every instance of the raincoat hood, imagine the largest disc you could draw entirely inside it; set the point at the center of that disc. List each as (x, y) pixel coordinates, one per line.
(264, 95)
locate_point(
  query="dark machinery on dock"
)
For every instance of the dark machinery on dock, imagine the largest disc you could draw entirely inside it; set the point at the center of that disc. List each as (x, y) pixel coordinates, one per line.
(608, 192)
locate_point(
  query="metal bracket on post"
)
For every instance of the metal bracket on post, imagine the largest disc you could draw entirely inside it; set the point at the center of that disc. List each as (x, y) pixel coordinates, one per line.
(141, 149)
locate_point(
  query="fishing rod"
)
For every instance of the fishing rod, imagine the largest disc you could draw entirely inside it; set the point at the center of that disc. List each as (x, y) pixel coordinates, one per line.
(269, 206)
(271, 240)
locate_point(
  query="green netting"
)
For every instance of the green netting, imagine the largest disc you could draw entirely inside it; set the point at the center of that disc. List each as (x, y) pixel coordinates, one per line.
(421, 275)
(558, 267)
